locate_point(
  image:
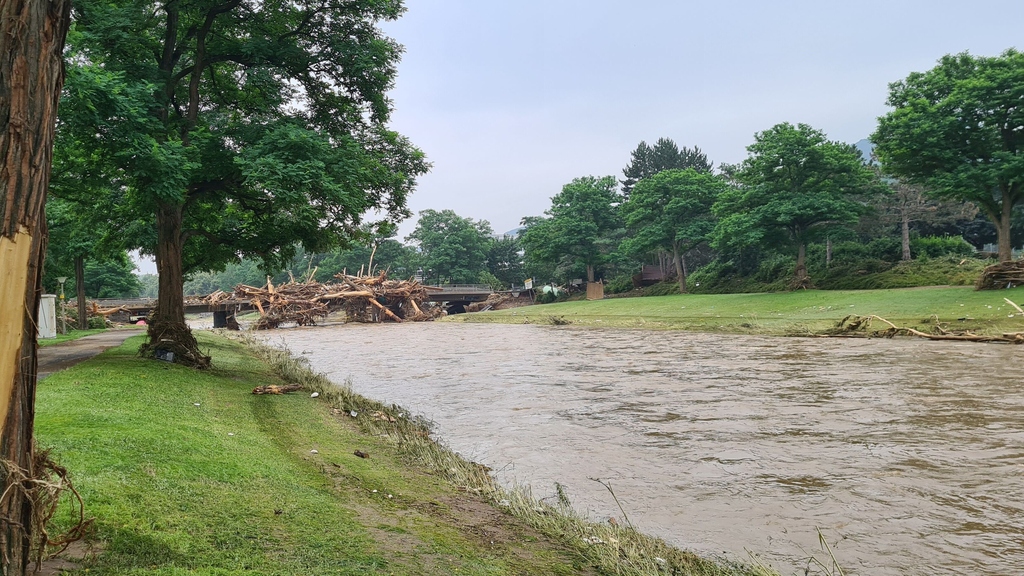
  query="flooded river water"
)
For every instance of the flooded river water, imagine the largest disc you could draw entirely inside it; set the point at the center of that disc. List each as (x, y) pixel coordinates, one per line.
(908, 454)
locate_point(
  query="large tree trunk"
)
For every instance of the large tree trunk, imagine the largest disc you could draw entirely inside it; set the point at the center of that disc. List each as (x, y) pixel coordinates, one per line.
(31, 77)
(1003, 228)
(83, 313)
(590, 273)
(801, 265)
(677, 259)
(905, 231)
(168, 331)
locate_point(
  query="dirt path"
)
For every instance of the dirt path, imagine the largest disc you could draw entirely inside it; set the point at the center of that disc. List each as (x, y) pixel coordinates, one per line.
(60, 356)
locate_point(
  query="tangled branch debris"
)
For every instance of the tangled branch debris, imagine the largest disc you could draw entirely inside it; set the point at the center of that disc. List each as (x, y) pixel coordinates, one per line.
(1002, 275)
(853, 323)
(363, 298)
(43, 490)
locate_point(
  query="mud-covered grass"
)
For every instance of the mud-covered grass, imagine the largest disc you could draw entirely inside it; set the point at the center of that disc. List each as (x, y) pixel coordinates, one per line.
(188, 472)
(797, 313)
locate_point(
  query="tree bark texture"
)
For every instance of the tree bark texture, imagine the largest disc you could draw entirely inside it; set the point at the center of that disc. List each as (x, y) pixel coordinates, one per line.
(1003, 228)
(905, 235)
(32, 34)
(83, 313)
(801, 263)
(680, 273)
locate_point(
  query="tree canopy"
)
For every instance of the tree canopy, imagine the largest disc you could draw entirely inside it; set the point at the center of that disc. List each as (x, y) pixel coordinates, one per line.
(672, 211)
(505, 260)
(238, 128)
(646, 161)
(793, 183)
(581, 228)
(959, 129)
(452, 249)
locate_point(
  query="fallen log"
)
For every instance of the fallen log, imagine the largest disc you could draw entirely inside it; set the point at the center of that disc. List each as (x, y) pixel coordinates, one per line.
(390, 314)
(276, 389)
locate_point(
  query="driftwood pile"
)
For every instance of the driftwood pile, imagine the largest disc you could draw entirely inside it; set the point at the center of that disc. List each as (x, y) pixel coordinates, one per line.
(363, 298)
(853, 323)
(1002, 275)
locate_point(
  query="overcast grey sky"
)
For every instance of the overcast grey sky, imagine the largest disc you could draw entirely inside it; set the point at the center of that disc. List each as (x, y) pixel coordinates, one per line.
(512, 99)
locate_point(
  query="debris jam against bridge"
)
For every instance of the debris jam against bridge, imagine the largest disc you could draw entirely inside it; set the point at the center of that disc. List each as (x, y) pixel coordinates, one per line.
(363, 298)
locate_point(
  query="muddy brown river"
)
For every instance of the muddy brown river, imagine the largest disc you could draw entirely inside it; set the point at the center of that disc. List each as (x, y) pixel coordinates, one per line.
(907, 454)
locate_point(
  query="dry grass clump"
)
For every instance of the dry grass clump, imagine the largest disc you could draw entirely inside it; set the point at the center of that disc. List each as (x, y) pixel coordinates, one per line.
(611, 549)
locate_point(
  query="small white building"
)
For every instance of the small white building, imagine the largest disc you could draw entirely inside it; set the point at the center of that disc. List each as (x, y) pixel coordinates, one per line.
(48, 316)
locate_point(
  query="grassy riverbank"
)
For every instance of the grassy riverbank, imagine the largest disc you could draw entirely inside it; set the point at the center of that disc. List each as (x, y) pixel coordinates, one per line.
(188, 472)
(782, 313)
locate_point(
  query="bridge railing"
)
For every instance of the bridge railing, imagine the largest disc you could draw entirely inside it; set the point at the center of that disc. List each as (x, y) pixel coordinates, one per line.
(460, 288)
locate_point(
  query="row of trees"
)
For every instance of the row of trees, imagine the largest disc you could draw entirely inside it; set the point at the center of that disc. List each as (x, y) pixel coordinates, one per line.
(444, 248)
(950, 147)
(794, 186)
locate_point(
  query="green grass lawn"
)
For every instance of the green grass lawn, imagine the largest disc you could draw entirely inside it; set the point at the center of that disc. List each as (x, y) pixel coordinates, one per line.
(782, 313)
(187, 472)
(71, 335)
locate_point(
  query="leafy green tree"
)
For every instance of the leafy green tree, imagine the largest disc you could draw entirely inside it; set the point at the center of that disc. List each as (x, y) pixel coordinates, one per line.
(582, 227)
(505, 260)
(72, 239)
(452, 248)
(793, 184)
(646, 161)
(389, 254)
(237, 129)
(672, 211)
(959, 130)
(149, 285)
(112, 278)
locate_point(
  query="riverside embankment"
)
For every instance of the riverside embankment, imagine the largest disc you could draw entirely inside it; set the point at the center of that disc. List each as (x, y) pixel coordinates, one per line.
(905, 452)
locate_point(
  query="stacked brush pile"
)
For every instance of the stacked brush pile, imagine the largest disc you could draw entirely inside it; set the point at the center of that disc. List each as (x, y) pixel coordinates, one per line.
(1002, 275)
(363, 298)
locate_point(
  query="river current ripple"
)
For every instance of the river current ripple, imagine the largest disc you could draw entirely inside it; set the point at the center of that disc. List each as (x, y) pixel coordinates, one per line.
(907, 454)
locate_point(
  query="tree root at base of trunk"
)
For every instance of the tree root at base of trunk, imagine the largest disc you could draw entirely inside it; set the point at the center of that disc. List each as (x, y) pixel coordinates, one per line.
(862, 324)
(43, 490)
(174, 342)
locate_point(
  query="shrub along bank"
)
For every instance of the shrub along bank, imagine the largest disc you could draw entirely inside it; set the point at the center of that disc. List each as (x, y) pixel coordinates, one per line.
(189, 472)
